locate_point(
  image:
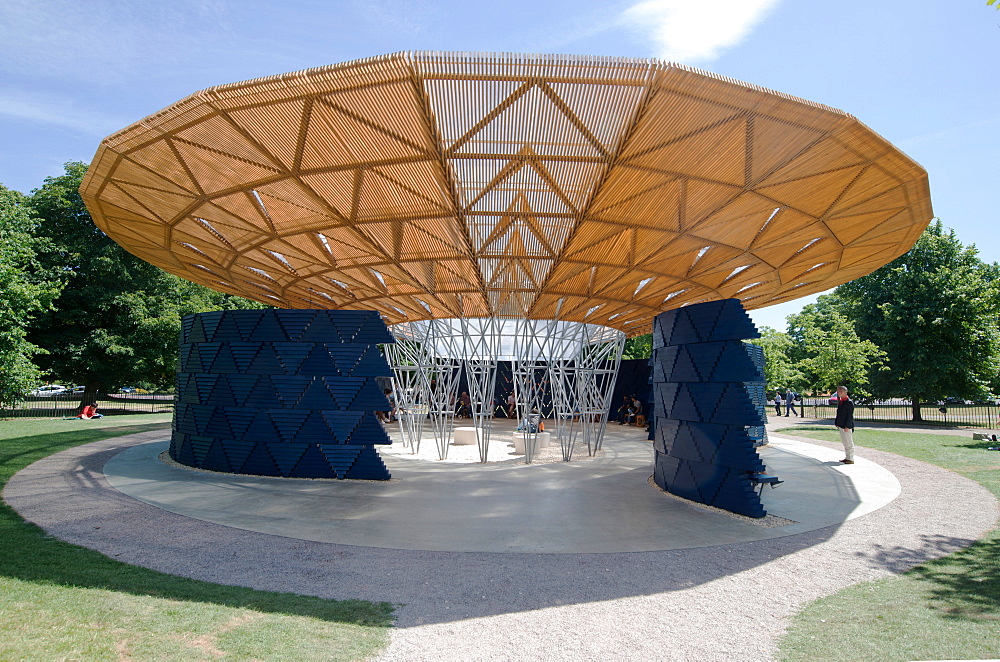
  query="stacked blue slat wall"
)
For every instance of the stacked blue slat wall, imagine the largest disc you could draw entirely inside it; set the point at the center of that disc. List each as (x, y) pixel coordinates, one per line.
(705, 404)
(282, 393)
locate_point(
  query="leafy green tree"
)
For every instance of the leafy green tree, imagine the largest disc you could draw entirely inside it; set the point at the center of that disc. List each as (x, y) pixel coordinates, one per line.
(935, 311)
(640, 347)
(118, 317)
(839, 357)
(779, 370)
(813, 317)
(25, 290)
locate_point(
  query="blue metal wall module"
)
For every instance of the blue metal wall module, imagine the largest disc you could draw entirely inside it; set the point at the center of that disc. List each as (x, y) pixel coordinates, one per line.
(704, 404)
(282, 393)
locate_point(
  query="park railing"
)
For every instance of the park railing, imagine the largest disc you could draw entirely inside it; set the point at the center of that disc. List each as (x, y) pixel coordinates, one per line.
(69, 405)
(981, 416)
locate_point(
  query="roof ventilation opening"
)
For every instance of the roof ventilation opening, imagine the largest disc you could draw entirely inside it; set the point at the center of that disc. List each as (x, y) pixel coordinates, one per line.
(322, 294)
(815, 267)
(194, 248)
(737, 271)
(207, 225)
(260, 272)
(281, 258)
(673, 294)
(591, 311)
(260, 203)
(700, 255)
(379, 276)
(642, 283)
(749, 287)
(326, 244)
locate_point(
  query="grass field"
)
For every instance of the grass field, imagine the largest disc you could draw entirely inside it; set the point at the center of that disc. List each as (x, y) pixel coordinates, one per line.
(947, 609)
(63, 602)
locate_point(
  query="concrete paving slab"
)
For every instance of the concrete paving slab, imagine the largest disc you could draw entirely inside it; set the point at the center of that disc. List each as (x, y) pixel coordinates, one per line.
(603, 504)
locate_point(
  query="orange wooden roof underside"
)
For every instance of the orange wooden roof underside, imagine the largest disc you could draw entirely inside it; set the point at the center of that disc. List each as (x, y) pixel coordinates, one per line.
(428, 185)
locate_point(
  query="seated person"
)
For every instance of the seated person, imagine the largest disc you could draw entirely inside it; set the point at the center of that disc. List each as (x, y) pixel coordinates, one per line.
(89, 411)
(623, 410)
(636, 405)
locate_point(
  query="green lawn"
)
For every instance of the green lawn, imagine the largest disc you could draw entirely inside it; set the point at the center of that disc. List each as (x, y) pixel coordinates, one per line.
(59, 601)
(943, 610)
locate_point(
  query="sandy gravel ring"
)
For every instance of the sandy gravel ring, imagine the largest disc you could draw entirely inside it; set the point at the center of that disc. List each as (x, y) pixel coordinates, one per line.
(695, 604)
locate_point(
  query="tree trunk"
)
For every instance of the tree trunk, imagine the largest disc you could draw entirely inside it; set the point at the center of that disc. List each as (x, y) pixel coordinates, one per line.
(917, 418)
(89, 396)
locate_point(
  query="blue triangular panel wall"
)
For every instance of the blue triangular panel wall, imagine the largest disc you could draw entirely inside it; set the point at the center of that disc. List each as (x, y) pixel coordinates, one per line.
(708, 405)
(281, 393)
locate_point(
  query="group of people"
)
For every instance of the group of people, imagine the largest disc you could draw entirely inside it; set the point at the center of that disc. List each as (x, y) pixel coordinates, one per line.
(629, 409)
(789, 401)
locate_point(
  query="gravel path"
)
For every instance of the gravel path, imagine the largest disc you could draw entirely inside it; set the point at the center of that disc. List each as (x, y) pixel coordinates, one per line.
(696, 604)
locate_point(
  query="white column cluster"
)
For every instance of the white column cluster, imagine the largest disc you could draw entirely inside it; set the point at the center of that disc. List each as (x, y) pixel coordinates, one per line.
(575, 362)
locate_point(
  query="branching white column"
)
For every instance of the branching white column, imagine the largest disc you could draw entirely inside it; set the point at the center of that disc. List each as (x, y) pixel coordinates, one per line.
(576, 362)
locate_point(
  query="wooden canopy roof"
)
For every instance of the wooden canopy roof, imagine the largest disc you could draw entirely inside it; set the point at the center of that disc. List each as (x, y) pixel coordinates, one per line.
(430, 185)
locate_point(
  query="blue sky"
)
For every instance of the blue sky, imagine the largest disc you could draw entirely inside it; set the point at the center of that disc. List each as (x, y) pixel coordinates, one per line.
(921, 73)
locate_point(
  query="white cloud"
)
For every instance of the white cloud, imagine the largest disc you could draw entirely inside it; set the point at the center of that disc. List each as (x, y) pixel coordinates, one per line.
(58, 113)
(690, 31)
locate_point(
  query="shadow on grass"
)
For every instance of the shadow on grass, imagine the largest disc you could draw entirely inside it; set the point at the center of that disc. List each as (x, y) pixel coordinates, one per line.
(18, 452)
(28, 554)
(966, 584)
(981, 444)
(899, 559)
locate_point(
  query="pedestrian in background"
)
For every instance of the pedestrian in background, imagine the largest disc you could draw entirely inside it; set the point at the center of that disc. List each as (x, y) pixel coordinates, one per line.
(845, 423)
(790, 402)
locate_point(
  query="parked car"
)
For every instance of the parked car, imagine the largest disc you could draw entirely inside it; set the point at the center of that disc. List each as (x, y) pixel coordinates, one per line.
(48, 390)
(952, 400)
(77, 390)
(832, 399)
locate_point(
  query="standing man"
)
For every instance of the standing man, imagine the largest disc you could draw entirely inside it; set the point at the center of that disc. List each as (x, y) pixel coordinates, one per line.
(777, 403)
(511, 406)
(790, 402)
(845, 423)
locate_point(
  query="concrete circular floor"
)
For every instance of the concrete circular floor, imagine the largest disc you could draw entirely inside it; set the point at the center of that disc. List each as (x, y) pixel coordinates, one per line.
(600, 505)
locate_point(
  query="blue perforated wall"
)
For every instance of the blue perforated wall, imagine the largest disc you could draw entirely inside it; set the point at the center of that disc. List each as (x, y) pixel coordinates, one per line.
(706, 405)
(282, 393)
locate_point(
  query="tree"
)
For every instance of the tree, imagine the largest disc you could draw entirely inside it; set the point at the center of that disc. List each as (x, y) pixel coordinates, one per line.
(25, 290)
(838, 357)
(640, 347)
(813, 318)
(118, 317)
(935, 311)
(779, 371)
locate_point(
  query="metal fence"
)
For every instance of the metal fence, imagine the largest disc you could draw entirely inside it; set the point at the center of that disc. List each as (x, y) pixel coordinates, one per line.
(69, 405)
(980, 416)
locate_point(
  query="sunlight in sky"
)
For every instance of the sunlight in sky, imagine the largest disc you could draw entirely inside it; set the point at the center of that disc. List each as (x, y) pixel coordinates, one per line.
(692, 30)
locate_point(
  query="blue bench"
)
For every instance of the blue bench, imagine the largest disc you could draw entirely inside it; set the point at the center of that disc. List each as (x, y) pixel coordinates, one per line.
(760, 480)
